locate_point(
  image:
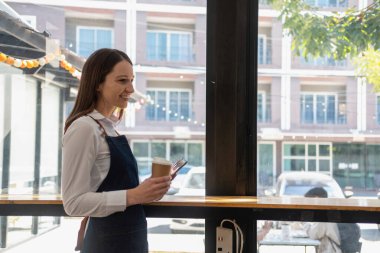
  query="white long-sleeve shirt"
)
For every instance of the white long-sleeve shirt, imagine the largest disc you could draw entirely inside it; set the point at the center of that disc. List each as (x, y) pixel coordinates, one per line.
(86, 162)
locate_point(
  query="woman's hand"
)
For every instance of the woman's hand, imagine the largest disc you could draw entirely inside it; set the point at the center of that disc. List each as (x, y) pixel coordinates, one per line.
(151, 189)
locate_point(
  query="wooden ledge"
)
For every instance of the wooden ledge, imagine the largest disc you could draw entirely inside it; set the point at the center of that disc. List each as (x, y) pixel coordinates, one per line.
(353, 204)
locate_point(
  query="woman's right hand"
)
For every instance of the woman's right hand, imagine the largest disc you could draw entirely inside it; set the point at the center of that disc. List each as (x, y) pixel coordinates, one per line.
(151, 189)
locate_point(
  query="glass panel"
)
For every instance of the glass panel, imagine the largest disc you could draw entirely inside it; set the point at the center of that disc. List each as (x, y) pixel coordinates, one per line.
(173, 105)
(158, 149)
(307, 109)
(103, 38)
(324, 150)
(177, 151)
(184, 111)
(312, 165)
(161, 102)
(168, 52)
(312, 149)
(325, 120)
(194, 154)
(265, 167)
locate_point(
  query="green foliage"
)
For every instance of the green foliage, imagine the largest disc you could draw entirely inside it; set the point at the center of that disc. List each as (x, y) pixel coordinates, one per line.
(351, 34)
(368, 66)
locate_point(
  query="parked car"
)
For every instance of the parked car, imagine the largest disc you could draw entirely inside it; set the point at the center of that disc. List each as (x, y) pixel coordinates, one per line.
(297, 183)
(178, 180)
(193, 185)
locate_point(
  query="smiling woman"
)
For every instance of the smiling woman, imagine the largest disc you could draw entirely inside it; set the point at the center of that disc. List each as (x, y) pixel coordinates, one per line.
(100, 174)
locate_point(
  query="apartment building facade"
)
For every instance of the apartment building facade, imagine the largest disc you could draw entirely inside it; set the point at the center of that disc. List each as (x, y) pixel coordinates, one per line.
(312, 115)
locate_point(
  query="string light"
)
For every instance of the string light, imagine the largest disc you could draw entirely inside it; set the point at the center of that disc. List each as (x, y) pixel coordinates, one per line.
(63, 63)
(146, 101)
(40, 62)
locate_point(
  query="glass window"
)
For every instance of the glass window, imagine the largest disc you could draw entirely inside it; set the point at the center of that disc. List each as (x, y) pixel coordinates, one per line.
(378, 109)
(167, 105)
(264, 54)
(169, 46)
(66, 34)
(91, 39)
(307, 157)
(319, 109)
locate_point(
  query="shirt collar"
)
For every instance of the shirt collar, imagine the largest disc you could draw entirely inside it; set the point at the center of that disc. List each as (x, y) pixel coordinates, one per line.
(98, 116)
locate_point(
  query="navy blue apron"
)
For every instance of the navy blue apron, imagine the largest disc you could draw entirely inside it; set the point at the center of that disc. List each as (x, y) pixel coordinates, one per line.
(121, 232)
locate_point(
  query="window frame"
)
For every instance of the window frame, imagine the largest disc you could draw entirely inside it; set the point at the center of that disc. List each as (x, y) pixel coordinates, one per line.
(315, 107)
(168, 48)
(167, 103)
(96, 29)
(306, 157)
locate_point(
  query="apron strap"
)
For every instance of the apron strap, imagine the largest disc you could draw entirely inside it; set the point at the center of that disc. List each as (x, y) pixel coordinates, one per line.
(104, 130)
(101, 126)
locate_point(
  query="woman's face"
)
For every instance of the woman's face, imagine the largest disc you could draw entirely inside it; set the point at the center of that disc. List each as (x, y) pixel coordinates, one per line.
(116, 89)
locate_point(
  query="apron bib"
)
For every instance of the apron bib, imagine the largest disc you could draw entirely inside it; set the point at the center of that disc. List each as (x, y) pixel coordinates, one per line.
(121, 232)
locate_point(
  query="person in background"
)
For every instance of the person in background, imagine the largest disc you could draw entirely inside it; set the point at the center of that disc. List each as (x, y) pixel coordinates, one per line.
(100, 175)
(327, 233)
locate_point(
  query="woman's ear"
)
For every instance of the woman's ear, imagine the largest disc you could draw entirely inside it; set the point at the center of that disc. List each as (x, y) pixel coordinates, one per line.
(99, 88)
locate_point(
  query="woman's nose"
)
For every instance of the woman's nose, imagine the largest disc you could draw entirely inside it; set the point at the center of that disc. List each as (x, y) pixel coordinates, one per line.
(130, 88)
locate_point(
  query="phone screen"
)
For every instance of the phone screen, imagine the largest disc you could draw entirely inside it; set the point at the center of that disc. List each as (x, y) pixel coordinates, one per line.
(177, 166)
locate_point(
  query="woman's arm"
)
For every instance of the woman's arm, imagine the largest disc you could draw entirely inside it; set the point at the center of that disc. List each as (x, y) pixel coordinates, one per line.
(80, 148)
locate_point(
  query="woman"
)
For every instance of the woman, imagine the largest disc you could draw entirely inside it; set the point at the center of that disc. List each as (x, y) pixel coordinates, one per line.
(100, 176)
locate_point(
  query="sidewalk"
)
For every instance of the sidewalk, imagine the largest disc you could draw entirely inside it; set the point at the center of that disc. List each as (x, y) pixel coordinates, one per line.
(62, 239)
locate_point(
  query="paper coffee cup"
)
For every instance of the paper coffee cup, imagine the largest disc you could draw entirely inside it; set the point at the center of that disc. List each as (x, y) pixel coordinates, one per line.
(161, 167)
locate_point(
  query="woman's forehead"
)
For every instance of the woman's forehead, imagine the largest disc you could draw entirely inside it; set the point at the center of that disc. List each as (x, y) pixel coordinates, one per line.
(123, 68)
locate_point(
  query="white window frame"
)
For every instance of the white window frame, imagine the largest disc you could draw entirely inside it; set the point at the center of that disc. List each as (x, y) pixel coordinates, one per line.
(167, 100)
(273, 143)
(315, 94)
(306, 157)
(264, 105)
(167, 143)
(316, 4)
(168, 43)
(96, 28)
(264, 38)
(377, 108)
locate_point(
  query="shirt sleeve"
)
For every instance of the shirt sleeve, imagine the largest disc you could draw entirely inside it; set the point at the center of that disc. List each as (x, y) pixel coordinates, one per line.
(317, 230)
(80, 148)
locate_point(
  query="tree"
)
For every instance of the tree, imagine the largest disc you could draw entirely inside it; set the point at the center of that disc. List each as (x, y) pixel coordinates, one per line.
(353, 33)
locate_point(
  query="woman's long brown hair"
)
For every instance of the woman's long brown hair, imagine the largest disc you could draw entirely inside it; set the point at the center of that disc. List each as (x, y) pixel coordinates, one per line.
(96, 68)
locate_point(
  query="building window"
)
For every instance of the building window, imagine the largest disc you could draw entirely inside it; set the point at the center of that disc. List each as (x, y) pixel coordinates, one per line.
(322, 109)
(378, 109)
(263, 107)
(307, 157)
(90, 39)
(327, 3)
(169, 105)
(144, 151)
(264, 54)
(169, 46)
(323, 61)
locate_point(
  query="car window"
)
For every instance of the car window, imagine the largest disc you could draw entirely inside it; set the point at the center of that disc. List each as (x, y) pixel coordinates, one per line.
(184, 170)
(300, 190)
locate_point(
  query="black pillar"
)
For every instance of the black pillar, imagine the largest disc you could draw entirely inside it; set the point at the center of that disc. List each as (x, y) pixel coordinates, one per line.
(231, 108)
(37, 151)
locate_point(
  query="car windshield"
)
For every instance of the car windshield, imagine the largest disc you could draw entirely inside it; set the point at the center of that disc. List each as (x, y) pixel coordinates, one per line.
(300, 190)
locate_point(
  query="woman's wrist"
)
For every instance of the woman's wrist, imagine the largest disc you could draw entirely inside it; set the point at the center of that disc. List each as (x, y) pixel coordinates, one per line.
(131, 199)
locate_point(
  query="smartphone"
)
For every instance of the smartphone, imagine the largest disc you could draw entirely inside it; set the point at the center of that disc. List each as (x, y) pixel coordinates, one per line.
(177, 166)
